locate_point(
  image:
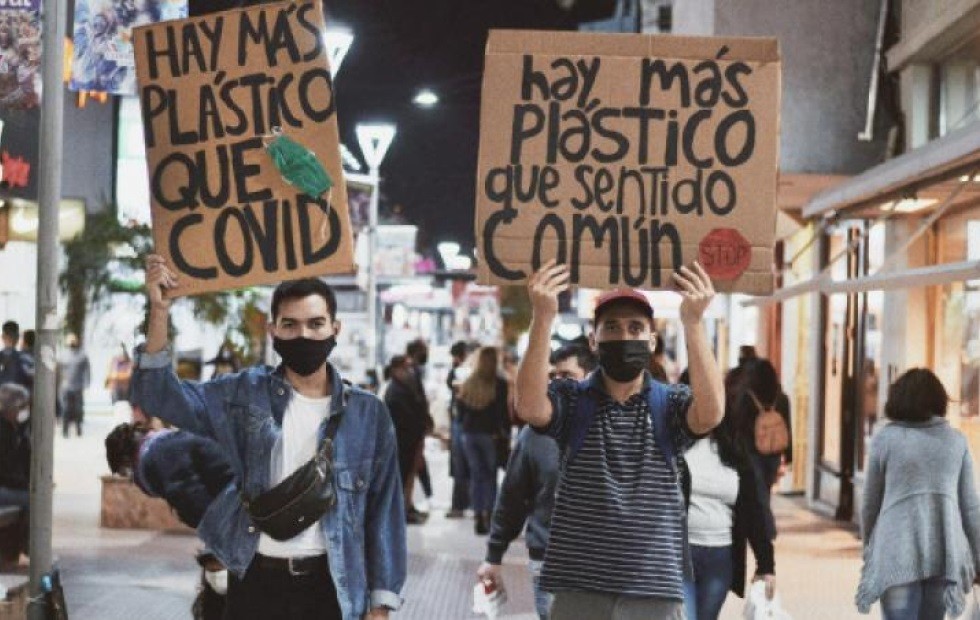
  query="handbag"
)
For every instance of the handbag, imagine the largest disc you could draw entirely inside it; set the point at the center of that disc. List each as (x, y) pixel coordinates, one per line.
(771, 432)
(299, 501)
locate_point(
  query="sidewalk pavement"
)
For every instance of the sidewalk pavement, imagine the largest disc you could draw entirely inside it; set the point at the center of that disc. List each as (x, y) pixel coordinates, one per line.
(127, 574)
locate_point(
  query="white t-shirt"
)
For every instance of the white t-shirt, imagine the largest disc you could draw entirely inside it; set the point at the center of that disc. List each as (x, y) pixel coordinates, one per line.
(297, 444)
(714, 489)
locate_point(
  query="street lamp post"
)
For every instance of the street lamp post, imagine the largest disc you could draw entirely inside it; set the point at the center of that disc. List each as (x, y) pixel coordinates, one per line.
(374, 140)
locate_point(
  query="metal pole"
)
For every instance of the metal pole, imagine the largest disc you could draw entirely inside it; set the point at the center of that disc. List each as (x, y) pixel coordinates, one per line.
(372, 279)
(47, 324)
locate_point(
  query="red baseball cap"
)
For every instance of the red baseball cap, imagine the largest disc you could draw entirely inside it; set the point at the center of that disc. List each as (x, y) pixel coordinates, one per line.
(630, 295)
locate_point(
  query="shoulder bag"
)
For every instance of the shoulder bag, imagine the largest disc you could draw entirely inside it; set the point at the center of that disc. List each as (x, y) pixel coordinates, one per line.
(299, 501)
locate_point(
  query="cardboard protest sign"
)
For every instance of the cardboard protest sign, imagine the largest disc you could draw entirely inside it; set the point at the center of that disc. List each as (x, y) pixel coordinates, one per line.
(626, 156)
(20, 54)
(102, 55)
(216, 92)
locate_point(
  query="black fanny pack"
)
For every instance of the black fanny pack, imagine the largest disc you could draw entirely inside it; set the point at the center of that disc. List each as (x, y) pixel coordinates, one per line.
(299, 501)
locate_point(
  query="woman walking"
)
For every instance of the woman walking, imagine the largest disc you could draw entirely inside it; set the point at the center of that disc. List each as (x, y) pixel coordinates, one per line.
(482, 404)
(921, 514)
(725, 516)
(759, 393)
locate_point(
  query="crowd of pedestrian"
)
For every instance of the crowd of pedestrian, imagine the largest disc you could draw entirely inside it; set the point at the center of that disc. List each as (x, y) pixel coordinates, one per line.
(300, 485)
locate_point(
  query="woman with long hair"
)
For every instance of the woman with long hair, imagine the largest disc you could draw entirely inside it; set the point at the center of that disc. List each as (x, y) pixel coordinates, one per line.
(482, 404)
(920, 518)
(725, 516)
(758, 391)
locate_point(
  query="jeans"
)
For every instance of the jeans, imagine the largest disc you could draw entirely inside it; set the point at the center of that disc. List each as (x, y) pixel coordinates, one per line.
(460, 469)
(268, 594)
(713, 568)
(74, 411)
(919, 600)
(481, 455)
(542, 600)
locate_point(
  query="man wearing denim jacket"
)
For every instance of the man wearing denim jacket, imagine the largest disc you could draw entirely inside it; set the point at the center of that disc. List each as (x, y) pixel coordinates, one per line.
(352, 563)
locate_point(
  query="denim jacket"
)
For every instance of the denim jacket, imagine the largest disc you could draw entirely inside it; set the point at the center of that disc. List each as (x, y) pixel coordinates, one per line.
(243, 412)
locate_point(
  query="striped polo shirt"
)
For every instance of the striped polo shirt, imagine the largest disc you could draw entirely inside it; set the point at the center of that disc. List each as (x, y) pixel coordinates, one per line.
(619, 515)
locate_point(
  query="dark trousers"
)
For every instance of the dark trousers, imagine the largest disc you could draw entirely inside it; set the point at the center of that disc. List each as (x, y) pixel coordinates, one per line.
(272, 594)
(424, 479)
(481, 455)
(74, 411)
(459, 468)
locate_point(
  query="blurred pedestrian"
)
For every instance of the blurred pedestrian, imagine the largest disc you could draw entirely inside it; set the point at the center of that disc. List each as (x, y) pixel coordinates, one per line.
(761, 392)
(15, 467)
(16, 367)
(616, 547)
(458, 468)
(298, 545)
(920, 517)
(225, 362)
(528, 490)
(482, 403)
(417, 352)
(27, 341)
(410, 414)
(119, 375)
(75, 373)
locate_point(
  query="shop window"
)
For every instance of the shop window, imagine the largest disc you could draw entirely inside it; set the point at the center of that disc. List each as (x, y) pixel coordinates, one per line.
(959, 88)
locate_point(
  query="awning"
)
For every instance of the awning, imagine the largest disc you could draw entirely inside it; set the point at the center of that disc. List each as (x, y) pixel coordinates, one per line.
(933, 275)
(927, 173)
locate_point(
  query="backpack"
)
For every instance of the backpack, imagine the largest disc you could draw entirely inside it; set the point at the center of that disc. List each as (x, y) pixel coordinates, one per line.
(584, 413)
(771, 432)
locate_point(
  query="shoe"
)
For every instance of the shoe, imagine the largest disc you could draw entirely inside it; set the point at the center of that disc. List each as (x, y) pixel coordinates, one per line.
(482, 525)
(414, 518)
(456, 514)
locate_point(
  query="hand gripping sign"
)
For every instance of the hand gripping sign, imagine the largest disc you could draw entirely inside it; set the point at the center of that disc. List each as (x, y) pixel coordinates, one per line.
(626, 156)
(242, 147)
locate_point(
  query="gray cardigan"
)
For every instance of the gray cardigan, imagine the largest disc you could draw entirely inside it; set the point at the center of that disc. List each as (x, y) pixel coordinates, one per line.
(921, 514)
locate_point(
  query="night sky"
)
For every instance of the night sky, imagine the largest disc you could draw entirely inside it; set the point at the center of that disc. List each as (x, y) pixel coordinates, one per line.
(400, 47)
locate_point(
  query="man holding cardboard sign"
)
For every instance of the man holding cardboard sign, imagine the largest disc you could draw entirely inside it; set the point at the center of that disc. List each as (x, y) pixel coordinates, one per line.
(620, 433)
(313, 526)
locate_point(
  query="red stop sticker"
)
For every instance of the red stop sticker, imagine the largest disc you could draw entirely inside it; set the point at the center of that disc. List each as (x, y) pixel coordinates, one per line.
(725, 254)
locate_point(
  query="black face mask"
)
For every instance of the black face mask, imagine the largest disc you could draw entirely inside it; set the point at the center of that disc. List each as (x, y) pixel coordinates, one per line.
(624, 360)
(304, 356)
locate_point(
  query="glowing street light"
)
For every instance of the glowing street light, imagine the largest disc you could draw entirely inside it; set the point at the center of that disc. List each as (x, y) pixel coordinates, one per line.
(426, 98)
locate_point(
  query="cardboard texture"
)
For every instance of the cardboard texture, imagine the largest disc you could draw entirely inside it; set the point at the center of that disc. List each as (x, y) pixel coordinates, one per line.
(626, 156)
(212, 91)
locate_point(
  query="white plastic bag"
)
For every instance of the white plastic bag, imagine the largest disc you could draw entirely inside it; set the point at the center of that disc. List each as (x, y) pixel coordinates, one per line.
(758, 607)
(488, 599)
(972, 611)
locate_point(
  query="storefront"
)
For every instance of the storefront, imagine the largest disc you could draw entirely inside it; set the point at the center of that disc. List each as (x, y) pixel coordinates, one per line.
(895, 286)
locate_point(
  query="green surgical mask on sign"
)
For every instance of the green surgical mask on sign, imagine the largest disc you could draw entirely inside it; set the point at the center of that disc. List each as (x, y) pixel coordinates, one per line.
(298, 165)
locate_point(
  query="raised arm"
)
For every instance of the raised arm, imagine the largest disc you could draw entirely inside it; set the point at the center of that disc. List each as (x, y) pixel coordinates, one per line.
(159, 277)
(156, 387)
(531, 398)
(708, 406)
